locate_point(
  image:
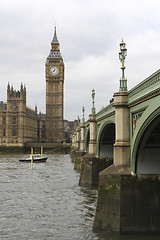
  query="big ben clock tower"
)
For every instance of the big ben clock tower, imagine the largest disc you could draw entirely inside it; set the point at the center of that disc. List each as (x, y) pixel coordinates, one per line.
(54, 93)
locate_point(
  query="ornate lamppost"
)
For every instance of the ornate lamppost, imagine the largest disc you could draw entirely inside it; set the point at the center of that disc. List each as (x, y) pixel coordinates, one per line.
(83, 109)
(122, 56)
(93, 97)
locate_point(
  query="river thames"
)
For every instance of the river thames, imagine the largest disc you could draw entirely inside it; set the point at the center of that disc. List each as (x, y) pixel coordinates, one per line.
(47, 203)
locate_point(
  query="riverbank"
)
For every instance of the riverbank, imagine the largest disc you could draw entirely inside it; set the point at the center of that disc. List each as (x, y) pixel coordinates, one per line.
(54, 148)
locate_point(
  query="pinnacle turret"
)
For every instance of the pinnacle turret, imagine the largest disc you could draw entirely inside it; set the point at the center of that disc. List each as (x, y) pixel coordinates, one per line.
(55, 39)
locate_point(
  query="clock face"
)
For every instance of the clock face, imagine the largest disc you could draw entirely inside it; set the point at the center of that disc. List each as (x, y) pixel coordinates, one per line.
(54, 70)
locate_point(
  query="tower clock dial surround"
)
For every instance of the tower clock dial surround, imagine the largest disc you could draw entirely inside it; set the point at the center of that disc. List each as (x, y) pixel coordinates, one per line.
(54, 70)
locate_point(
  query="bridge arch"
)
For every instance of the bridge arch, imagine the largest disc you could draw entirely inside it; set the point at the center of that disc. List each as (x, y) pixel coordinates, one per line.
(146, 148)
(106, 140)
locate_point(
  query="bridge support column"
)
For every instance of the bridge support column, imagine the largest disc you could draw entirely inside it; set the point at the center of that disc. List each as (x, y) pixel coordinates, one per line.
(77, 137)
(75, 144)
(74, 140)
(122, 123)
(86, 177)
(81, 151)
(91, 164)
(82, 142)
(93, 135)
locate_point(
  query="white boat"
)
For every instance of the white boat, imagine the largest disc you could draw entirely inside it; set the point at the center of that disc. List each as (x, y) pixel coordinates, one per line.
(36, 158)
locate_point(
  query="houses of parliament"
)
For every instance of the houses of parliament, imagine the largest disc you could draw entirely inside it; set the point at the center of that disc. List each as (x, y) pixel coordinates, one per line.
(20, 124)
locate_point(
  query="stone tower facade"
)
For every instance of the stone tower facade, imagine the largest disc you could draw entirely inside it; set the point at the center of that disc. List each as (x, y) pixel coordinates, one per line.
(20, 125)
(54, 93)
(16, 108)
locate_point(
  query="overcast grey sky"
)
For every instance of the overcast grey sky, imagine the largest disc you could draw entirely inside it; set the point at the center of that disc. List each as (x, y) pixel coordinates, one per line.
(89, 32)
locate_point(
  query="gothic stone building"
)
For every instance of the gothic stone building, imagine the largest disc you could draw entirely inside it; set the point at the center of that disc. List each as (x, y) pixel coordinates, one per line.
(20, 124)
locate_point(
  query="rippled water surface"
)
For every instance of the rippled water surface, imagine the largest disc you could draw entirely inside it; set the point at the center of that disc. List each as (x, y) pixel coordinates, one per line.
(47, 203)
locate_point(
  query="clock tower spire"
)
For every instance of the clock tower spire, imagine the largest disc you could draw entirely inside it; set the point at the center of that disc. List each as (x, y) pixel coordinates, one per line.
(55, 39)
(54, 51)
(54, 93)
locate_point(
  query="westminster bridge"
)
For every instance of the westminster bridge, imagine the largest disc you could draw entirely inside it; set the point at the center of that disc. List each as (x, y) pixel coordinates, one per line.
(118, 149)
(142, 135)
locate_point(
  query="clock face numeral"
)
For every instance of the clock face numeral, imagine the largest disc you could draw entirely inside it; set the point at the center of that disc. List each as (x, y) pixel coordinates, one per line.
(54, 71)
